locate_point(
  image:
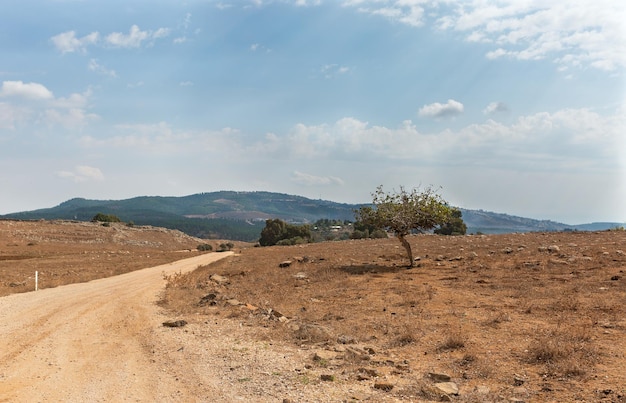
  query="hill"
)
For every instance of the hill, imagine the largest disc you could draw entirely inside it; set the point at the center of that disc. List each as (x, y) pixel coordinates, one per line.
(241, 215)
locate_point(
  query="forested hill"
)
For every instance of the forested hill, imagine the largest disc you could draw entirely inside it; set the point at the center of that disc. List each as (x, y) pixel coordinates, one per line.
(241, 215)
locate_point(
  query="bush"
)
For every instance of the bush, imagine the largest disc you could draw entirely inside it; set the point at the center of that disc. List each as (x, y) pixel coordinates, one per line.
(226, 247)
(105, 218)
(205, 247)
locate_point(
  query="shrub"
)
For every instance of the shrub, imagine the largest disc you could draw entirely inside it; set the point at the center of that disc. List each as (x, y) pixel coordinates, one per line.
(205, 247)
(105, 218)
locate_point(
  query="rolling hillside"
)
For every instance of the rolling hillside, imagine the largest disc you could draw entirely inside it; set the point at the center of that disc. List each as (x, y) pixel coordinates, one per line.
(241, 215)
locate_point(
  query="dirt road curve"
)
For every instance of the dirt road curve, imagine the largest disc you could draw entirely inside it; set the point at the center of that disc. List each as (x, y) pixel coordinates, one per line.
(93, 342)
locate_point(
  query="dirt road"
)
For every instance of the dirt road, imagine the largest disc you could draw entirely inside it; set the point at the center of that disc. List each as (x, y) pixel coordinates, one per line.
(96, 342)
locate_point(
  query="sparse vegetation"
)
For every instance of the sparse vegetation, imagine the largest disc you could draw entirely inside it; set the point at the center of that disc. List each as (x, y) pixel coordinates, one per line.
(204, 247)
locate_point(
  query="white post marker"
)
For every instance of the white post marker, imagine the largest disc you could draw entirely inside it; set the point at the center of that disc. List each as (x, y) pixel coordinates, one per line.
(36, 280)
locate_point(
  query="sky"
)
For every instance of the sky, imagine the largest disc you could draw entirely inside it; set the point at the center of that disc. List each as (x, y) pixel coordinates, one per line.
(511, 106)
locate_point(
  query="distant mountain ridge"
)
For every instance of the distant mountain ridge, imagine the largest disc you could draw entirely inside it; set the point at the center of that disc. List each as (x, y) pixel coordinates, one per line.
(241, 215)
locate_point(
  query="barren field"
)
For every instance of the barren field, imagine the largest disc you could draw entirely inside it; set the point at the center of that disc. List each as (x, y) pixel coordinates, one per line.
(497, 318)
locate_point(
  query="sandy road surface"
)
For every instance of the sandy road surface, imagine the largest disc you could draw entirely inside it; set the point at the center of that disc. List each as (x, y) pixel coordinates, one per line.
(93, 342)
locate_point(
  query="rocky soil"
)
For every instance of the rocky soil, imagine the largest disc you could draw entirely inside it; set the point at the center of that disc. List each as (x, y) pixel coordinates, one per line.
(503, 318)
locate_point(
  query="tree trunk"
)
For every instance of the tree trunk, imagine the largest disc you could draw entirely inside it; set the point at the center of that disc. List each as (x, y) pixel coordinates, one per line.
(407, 246)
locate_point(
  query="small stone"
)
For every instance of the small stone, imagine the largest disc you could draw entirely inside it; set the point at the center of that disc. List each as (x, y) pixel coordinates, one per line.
(554, 249)
(343, 339)
(369, 372)
(507, 250)
(518, 380)
(449, 388)
(324, 355)
(327, 378)
(285, 263)
(175, 323)
(383, 386)
(233, 302)
(615, 278)
(436, 377)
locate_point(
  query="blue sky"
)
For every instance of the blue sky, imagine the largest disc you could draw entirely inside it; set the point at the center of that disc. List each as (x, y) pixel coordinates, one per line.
(509, 106)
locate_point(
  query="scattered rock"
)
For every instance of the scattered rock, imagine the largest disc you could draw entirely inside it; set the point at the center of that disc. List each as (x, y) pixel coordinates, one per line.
(449, 388)
(369, 372)
(615, 278)
(208, 299)
(285, 263)
(343, 339)
(300, 276)
(233, 302)
(518, 380)
(554, 249)
(324, 355)
(436, 377)
(313, 333)
(23, 283)
(507, 250)
(221, 280)
(383, 386)
(327, 378)
(175, 323)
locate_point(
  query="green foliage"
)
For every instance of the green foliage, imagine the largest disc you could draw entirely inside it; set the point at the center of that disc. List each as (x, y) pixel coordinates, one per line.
(226, 247)
(277, 230)
(454, 226)
(205, 247)
(100, 217)
(404, 212)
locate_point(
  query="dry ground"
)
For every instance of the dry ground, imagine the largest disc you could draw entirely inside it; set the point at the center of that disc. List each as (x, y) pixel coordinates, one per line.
(520, 317)
(65, 252)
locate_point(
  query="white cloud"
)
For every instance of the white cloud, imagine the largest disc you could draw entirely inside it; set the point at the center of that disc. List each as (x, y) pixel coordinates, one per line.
(495, 107)
(186, 84)
(581, 33)
(11, 115)
(571, 33)
(67, 42)
(312, 180)
(569, 139)
(437, 110)
(135, 37)
(25, 90)
(333, 70)
(69, 112)
(307, 3)
(82, 173)
(94, 66)
(409, 12)
(72, 118)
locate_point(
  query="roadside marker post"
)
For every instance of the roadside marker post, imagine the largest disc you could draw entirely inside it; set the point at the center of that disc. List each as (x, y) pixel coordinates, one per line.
(36, 280)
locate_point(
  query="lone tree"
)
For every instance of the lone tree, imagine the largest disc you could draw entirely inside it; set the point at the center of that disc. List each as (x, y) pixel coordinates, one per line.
(404, 212)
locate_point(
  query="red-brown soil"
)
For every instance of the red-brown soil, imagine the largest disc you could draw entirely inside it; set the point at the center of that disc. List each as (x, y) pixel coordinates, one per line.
(533, 317)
